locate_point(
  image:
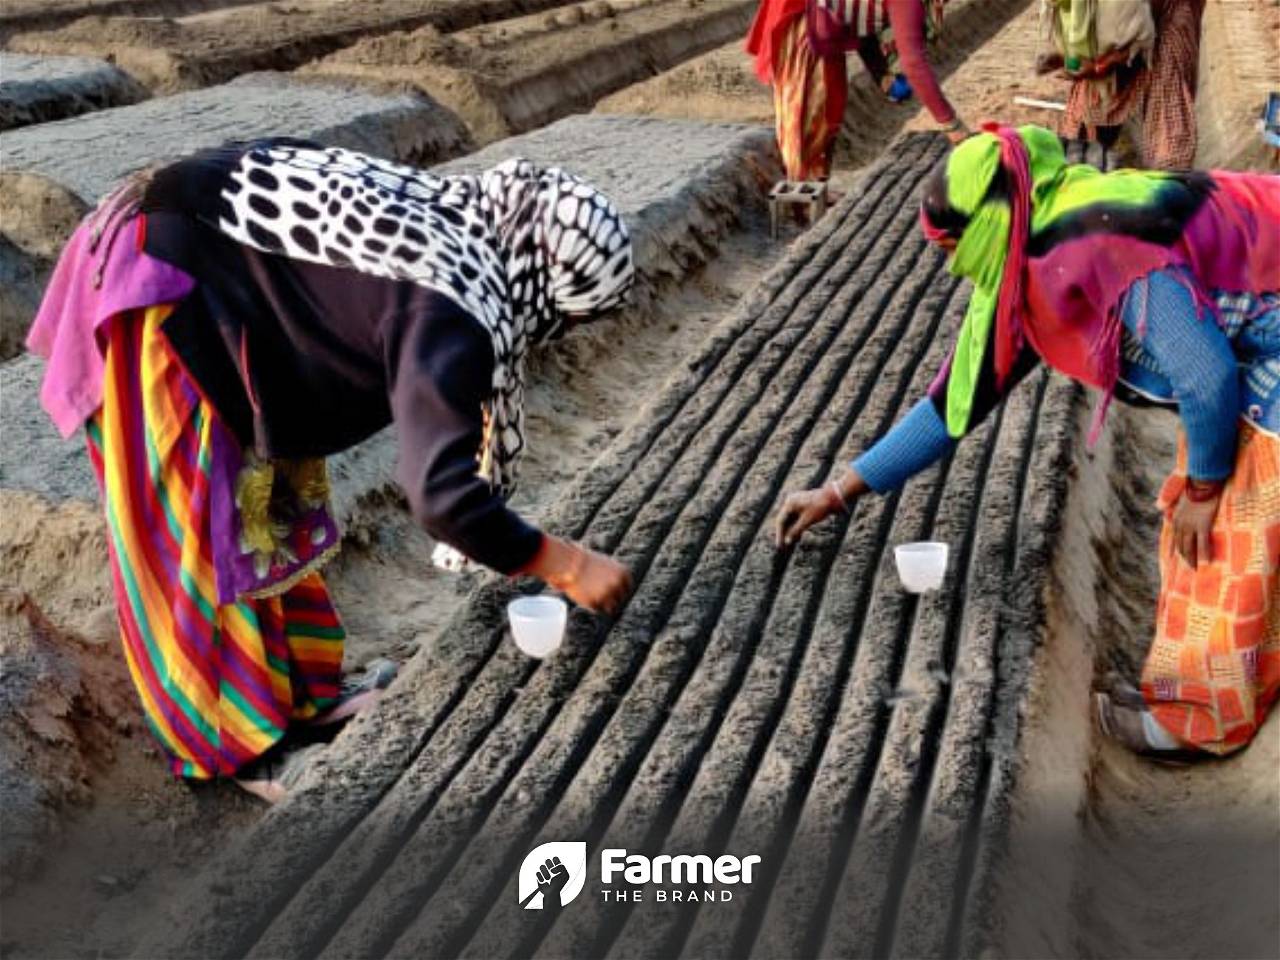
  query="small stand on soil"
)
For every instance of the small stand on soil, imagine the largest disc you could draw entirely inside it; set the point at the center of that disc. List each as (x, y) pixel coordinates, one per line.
(791, 193)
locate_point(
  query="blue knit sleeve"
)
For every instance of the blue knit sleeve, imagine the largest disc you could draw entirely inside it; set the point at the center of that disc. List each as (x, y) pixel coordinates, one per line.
(1199, 363)
(916, 442)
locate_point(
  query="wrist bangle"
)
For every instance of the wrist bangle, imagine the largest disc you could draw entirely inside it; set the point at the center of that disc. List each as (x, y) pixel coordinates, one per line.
(565, 579)
(1198, 491)
(579, 561)
(839, 494)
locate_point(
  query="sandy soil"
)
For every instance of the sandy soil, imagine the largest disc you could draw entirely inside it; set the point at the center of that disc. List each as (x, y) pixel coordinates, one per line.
(167, 55)
(20, 16)
(1136, 859)
(515, 75)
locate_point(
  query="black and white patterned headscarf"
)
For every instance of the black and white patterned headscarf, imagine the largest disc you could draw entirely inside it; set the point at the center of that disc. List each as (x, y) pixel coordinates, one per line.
(523, 249)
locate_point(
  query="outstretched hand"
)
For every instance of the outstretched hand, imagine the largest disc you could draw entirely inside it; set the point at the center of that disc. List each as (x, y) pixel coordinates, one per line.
(588, 578)
(601, 583)
(800, 511)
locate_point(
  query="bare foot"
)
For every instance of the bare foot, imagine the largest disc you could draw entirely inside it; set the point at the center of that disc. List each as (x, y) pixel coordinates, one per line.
(274, 774)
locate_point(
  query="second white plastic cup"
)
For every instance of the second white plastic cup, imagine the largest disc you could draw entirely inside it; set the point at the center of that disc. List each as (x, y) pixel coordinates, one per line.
(921, 566)
(537, 624)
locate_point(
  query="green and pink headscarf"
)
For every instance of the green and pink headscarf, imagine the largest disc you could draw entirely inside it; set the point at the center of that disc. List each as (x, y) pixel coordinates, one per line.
(1052, 250)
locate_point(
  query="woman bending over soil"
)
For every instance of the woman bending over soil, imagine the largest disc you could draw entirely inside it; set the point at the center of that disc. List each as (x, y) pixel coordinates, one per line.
(221, 326)
(1156, 286)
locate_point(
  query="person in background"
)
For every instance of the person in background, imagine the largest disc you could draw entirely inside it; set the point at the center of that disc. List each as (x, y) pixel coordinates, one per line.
(1154, 93)
(223, 324)
(803, 59)
(1157, 285)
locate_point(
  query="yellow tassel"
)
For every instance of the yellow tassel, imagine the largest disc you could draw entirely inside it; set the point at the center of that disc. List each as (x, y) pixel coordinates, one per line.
(309, 480)
(253, 498)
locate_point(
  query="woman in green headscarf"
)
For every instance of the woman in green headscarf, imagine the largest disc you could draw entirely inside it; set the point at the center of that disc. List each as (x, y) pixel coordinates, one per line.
(1158, 285)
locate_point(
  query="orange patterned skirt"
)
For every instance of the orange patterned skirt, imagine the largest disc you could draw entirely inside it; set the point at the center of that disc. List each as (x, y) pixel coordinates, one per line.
(809, 98)
(1214, 668)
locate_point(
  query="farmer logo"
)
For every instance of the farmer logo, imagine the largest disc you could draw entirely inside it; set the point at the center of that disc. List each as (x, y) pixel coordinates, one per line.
(553, 869)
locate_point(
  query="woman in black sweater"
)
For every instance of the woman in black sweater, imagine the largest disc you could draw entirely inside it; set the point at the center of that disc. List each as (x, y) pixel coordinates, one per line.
(226, 322)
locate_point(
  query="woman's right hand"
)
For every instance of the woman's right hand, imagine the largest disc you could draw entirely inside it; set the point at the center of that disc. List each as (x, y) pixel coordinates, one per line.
(589, 579)
(602, 583)
(802, 509)
(957, 132)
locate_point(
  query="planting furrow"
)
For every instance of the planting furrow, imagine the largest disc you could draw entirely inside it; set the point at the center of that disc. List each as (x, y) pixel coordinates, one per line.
(693, 815)
(960, 707)
(208, 48)
(882, 853)
(665, 506)
(669, 735)
(808, 801)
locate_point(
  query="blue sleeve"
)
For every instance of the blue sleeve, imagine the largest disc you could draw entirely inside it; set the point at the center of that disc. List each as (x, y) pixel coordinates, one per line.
(916, 442)
(1198, 361)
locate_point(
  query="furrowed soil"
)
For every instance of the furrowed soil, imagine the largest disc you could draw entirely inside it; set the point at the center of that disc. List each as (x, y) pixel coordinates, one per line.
(18, 16)
(122, 834)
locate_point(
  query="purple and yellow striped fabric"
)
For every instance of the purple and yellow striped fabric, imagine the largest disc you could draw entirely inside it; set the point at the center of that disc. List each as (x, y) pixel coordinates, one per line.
(218, 684)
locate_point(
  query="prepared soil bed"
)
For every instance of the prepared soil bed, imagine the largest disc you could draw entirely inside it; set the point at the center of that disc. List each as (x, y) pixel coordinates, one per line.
(516, 75)
(39, 89)
(168, 55)
(18, 16)
(800, 707)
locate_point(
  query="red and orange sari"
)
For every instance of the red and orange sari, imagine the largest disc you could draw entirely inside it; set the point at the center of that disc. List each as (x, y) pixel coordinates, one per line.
(809, 92)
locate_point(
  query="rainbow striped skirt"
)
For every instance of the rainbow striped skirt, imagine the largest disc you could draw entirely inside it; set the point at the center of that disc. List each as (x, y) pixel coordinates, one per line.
(220, 678)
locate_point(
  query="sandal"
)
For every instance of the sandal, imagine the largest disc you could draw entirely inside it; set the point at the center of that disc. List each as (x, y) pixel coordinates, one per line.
(358, 692)
(1137, 730)
(1123, 692)
(275, 773)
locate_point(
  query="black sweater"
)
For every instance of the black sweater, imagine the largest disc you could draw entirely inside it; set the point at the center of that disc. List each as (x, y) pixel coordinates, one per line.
(305, 360)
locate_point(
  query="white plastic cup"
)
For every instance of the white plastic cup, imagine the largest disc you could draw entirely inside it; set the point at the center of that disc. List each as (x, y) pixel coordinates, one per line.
(921, 566)
(537, 624)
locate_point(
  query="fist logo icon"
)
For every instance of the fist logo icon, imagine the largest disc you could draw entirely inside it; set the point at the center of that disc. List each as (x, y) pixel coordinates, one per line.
(552, 875)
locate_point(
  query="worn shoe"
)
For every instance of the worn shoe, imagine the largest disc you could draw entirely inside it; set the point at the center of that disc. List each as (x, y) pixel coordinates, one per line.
(1137, 730)
(359, 691)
